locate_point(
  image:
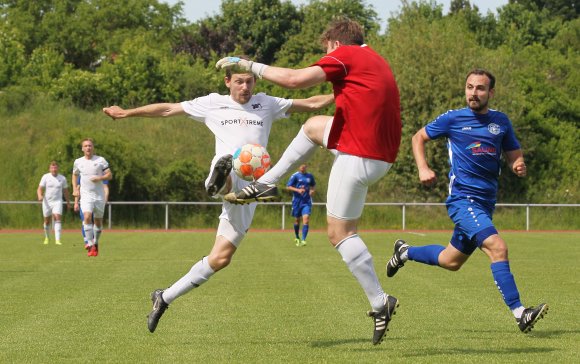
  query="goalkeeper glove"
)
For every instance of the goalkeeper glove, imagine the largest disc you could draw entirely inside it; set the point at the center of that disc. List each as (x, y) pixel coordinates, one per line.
(243, 64)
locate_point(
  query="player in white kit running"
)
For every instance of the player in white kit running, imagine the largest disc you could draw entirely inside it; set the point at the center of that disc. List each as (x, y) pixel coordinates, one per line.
(50, 191)
(235, 119)
(93, 170)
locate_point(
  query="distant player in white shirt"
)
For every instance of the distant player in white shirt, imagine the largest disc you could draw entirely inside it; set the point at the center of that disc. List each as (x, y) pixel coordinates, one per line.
(50, 190)
(93, 170)
(235, 119)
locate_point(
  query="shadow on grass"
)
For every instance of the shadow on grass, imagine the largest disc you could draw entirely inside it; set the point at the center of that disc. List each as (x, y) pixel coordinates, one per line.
(471, 351)
(331, 343)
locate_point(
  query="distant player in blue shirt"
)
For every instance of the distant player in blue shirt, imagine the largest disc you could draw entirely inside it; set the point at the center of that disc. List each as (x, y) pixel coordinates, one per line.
(476, 137)
(302, 186)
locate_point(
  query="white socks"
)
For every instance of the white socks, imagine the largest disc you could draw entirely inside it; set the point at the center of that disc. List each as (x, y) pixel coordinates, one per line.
(518, 312)
(300, 150)
(46, 231)
(198, 275)
(355, 254)
(57, 229)
(97, 232)
(89, 233)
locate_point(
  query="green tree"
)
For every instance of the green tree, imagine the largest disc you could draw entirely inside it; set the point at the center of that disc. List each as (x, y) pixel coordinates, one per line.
(257, 28)
(304, 47)
(12, 58)
(566, 9)
(84, 30)
(430, 55)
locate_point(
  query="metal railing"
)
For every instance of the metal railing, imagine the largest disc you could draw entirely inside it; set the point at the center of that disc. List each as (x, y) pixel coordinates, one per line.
(283, 205)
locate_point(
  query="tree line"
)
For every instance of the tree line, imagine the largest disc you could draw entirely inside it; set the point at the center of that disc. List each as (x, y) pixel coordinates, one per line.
(66, 59)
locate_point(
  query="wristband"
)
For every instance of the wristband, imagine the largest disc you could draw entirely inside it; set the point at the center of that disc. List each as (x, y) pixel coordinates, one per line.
(258, 68)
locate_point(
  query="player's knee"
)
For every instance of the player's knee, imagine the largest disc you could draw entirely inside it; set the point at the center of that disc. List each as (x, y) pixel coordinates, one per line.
(219, 262)
(496, 248)
(314, 128)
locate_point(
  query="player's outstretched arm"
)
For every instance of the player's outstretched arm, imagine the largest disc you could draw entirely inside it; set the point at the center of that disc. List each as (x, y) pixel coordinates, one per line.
(148, 111)
(285, 77)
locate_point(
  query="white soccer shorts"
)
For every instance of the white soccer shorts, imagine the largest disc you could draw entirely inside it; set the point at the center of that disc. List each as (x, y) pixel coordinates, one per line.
(350, 178)
(97, 207)
(51, 208)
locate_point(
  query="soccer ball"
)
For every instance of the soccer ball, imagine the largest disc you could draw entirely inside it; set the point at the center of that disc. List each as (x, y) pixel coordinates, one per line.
(251, 161)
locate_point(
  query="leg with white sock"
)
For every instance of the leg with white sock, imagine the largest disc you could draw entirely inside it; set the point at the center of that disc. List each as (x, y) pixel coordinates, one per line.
(219, 258)
(97, 230)
(46, 230)
(89, 233)
(355, 254)
(198, 275)
(300, 150)
(57, 230)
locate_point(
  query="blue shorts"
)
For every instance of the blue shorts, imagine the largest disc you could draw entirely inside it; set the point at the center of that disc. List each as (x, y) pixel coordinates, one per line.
(473, 222)
(301, 210)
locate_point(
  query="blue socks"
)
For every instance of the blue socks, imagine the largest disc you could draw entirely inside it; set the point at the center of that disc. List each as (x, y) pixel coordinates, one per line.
(428, 254)
(506, 284)
(296, 229)
(304, 231)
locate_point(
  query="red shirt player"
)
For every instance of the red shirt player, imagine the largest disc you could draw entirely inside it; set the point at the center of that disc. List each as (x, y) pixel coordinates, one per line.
(364, 134)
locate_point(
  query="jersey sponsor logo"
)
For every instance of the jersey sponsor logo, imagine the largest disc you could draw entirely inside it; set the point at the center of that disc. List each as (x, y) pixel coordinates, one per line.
(493, 128)
(466, 128)
(242, 122)
(478, 149)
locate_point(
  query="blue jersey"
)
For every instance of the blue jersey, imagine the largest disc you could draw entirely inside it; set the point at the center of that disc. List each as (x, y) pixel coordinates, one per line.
(301, 180)
(475, 143)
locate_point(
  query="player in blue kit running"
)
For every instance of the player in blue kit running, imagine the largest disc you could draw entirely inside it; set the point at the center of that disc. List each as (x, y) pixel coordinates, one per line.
(302, 186)
(476, 136)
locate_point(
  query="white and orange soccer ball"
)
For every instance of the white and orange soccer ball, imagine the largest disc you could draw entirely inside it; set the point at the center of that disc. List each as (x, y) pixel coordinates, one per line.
(251, 161)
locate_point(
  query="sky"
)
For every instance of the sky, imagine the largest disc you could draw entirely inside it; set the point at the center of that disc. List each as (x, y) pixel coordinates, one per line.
(198, 9)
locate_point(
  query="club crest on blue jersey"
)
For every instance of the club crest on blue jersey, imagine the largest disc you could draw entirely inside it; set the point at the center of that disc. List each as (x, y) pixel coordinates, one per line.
(493, 128)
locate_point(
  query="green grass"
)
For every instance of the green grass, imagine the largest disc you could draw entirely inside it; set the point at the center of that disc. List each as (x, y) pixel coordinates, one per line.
(276, 303)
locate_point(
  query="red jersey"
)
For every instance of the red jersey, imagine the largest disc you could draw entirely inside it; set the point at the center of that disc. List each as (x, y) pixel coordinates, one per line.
(367, 121)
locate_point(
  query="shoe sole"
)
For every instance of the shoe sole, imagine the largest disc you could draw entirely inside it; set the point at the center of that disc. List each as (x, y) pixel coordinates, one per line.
(543, 312)
(222, 169)
(231, 198)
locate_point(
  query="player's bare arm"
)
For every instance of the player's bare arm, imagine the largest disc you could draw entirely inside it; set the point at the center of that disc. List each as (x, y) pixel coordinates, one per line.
(148, 111)
(426, 175)
(39, 193)
(285, 77)
(313, 103)
(295, 79)
(67, 198)
(75, 186)
(515, 159)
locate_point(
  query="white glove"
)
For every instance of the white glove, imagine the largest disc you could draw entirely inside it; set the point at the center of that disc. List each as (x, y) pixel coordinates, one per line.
(243, 64)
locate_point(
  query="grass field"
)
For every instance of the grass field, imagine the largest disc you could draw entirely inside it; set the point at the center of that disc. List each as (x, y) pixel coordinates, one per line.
(277, 303)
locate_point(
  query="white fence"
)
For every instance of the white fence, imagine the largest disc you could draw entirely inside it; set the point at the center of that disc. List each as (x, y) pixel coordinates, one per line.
(283, 205)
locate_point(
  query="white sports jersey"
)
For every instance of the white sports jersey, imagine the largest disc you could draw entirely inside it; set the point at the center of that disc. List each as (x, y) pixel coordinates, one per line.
(53, 186)
(87, 168)
(234, 124)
